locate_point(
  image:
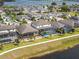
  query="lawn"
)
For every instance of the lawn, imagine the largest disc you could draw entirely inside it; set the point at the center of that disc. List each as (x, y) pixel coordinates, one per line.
(41, 49)
(73, 13)
(23, 43)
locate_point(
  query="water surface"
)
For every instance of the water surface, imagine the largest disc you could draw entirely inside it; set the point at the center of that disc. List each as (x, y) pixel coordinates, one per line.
(39, 2)
(72, 53)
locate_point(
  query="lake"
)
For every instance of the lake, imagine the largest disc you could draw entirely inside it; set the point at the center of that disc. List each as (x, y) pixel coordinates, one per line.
(38, 2)
(72, 53)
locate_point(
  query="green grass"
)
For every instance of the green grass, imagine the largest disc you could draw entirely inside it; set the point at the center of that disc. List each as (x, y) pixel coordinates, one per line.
(34, 50)
(68, 43)
(23, 43)
(73, 13)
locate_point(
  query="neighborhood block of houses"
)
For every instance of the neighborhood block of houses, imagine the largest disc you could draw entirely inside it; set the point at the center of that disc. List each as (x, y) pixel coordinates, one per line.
(25, 22)
(8, 33)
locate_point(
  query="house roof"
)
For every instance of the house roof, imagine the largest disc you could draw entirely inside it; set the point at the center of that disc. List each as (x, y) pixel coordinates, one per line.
(74, 18)
(7, 27)
(57, 24)
(67, 22)
(23, 17)
(41, 22)
(25, 28)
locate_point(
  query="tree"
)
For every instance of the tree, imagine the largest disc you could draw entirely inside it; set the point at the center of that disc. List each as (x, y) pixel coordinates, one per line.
(53, 19)
(1, 46)
(20, 13)
(13, 15)
(53, 3)
(72, 30)
(60, 30)
(64, 17)
(50, 8)
(24, 21)
(32, 37)
(1, 18)
(17, 42)
(33, 18)
(63, 3)
(64, 8)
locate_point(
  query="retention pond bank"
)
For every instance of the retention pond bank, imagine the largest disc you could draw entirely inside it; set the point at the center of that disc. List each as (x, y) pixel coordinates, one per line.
(42, 49)
(72, 53)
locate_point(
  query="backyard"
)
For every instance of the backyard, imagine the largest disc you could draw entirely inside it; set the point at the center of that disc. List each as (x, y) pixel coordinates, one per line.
(38, 50)
(24, 43)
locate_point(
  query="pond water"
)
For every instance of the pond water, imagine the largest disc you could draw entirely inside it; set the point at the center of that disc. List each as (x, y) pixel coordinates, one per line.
(39, 2)
(72, 53)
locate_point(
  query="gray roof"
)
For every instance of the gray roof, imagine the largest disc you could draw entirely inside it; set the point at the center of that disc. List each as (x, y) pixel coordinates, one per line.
(41, 22)
(25, 28)
(67, 22)
(74, 18)
(7, 27)
(23, 17)
(57, 25)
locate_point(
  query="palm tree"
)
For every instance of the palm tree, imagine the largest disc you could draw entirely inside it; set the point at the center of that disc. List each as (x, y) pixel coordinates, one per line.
(1, 19)
(13, 15)
(50, 8)
(1, 46)
(17, 42)
(53, 19)
(31, 37)
(24, 21)
(60, 30)
(33, 19)
(64, 8)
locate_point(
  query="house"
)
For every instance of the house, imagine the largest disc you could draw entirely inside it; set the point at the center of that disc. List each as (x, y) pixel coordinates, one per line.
(43, 26)
(26, 30)
(68, 25)
(56, 26)
(76, 20)
(8, 33)
(43, 9)
(76, 9)
(21, 17)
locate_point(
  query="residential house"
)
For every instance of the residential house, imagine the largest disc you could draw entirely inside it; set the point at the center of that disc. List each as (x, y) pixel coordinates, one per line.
(69, 25)
(43, 26)
(8, 33)
(23, 17)
(58, 26)
(76, 20)
(76, 8)
(26, 31)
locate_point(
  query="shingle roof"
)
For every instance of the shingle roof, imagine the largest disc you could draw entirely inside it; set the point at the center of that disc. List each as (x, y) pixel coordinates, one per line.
(67, 22)
(40, 22)
(57, 25)
(6, 27)
(25, 28)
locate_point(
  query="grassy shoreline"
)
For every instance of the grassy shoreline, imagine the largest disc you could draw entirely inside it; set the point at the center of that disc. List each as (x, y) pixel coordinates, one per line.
(23, 43)
(42, 48)
(51, 50)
